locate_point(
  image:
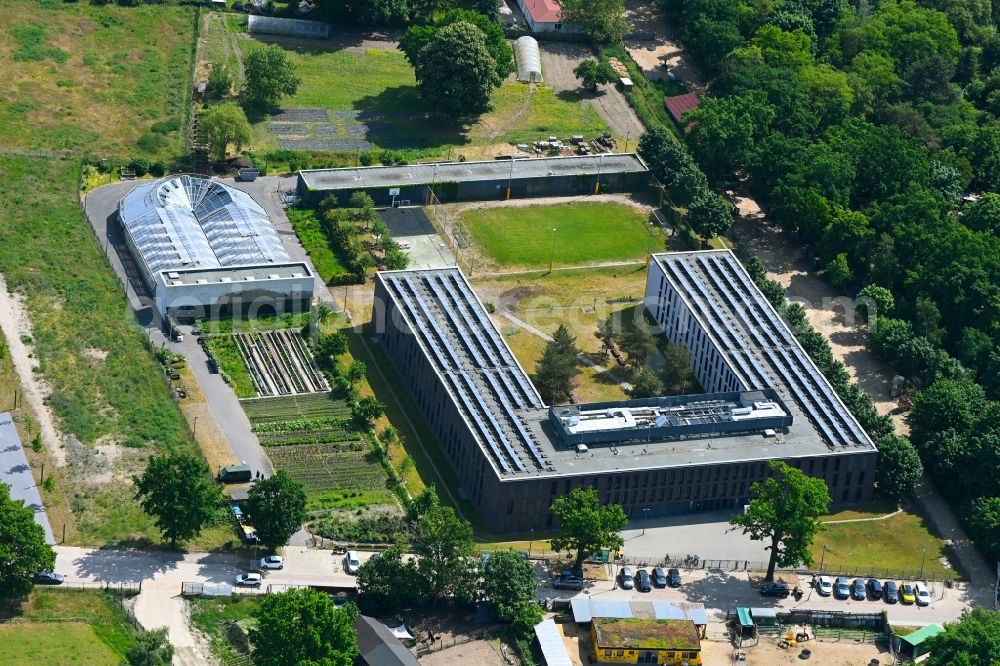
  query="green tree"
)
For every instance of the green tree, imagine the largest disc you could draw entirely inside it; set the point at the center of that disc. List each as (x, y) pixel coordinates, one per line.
(178, 492)
(982, 518)
(899, 467)
(388, 583)
(332, 344)
(219, 83)
(225, 124)
(527, 614)
(676, 373)
(369, 409)
(604, 20)
(726, 131)
(592, 73)
(445, 552)
(276, 507)
(638, 344)
(509, 581)
(36, 442)
(927, 320)
(150, 648)
(585, 526)
(874, 302)
(783, 49)
(268, 75)
(303, 627)
(496, 41)
(972, 641)
(645, 383)
(356, 372)
(838, 270)
(23, 550)
(557, 367)
(663, 153)
(785, 510)
(687, 185)
(710, 216)
(456, 72)
(983, 215)
(388, 13)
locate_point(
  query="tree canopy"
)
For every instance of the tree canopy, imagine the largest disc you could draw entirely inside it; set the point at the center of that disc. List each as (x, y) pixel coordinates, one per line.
(784, 511)
(509, 580)
(455, 70)
(303, 626)
(224, 125)
(586, 526)
(972, 641)
(604, 20)
(276, 507)
(178, 492)
(557, 367)
(268, 75)
(23, 550)
(899, 467)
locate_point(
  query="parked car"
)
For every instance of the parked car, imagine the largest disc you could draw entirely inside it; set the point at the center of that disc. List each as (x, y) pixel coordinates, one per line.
(642, 581)
(272, 562)
(249, 580)
(875, 589)
(906, 593)
(352, 563)
(659, 578)
(923, 594)
(568, 583)
(858, 590)
(890, 593)
(824, 586)
(49, 578)
(778, 589)
(628, 579)
(675, 577)
(841, 589)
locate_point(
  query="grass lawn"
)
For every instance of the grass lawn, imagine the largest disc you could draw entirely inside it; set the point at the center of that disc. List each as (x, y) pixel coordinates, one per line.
(585, 233)
(45, 640)
(895, 544)
(231, 364)
(214, 615)
(95, 79)
(56, 644)
(316, 243)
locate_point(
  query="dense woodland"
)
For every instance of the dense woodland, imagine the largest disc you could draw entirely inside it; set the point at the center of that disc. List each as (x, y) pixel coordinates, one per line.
(861, 128)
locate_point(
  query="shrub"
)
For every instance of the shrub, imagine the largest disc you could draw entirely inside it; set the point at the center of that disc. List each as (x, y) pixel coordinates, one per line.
(151, 143)
(166, 126)
(140, 165)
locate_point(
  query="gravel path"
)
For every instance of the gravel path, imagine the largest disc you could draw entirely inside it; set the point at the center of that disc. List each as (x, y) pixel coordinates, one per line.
(15, 323)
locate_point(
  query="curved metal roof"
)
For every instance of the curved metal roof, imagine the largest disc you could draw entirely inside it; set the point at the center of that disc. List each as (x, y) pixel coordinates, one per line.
(191, 222)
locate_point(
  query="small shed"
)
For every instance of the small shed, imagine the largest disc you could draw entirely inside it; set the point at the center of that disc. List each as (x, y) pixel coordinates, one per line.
(678, 105)
(626, 83)
(912, 645)
(764, 617)
(529, 61)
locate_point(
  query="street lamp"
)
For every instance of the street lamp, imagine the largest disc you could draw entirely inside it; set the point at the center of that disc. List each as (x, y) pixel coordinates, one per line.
(531, 542)
(627, 135)
(552, 254)
(823, 557)
(645, 513)
(922, 557)
(597, 185)
(510, 176)
(194, 430)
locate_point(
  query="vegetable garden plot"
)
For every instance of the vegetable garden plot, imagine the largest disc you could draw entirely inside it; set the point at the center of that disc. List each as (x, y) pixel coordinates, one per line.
(323, 469)
(324, 144)
(304, 406)
(280, 363)
(302, 115)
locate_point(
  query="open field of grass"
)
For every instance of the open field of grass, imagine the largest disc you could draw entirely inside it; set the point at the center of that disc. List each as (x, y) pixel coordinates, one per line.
(585, 233)
(213, 616)
(100, 632)
(108, 80)
(381, 87)
(894, 544)
(106, 388)
(231, 364)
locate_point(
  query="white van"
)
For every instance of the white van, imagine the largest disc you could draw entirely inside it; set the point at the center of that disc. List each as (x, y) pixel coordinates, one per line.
(352, 562)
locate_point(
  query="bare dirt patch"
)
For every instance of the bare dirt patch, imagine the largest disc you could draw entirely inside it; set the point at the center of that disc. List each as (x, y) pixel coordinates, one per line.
(842, 652)
(663, 49)
(14, 322)
(95, 354)
(481, 653)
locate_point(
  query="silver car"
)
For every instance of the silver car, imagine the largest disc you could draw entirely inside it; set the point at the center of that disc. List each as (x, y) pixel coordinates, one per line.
(628, 578)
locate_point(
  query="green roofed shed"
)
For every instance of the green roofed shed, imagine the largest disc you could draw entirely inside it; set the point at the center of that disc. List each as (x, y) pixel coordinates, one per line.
(912, 645)
(743, 615)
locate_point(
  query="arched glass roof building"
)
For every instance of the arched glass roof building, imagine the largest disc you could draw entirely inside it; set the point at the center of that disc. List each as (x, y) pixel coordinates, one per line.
(190, 230)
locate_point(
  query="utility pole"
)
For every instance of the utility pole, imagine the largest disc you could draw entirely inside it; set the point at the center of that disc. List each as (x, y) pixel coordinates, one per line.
(597, 185)
(922, 558)
(194, 430)
(823, 557)
(531, 542)
(645, 516)
(510, 176)
(627, 135)
(552, 255)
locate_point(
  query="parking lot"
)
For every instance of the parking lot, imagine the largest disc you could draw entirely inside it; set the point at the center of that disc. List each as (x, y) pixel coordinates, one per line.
(723, 591)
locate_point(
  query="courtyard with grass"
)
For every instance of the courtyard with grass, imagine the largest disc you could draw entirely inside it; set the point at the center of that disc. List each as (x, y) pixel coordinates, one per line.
(585, 233)
(893, 546)
(105, 79)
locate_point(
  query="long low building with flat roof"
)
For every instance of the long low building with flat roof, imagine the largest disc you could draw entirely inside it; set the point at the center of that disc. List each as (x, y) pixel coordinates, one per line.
(764, 400)
(479, 181)
(204, 247)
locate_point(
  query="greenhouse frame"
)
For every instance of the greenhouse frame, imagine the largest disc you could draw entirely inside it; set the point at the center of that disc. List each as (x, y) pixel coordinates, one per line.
(270, 25)
(529, 60)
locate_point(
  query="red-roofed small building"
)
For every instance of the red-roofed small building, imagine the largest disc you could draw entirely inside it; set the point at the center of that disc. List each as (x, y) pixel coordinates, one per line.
(544, 16)
(678, 105)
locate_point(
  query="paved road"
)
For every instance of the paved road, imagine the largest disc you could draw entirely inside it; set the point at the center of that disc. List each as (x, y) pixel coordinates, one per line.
(15, 472)
(162, 573)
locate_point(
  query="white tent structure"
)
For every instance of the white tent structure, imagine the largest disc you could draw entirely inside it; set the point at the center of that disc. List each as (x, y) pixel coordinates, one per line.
(529, 60)
(270, 25)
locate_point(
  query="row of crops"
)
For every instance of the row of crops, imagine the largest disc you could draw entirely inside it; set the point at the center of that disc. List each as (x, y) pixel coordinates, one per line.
(314, 418)
(280, 362)
(325, 469)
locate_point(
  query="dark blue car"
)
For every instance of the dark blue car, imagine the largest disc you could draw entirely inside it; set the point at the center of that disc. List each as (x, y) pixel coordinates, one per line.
(890, 593)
